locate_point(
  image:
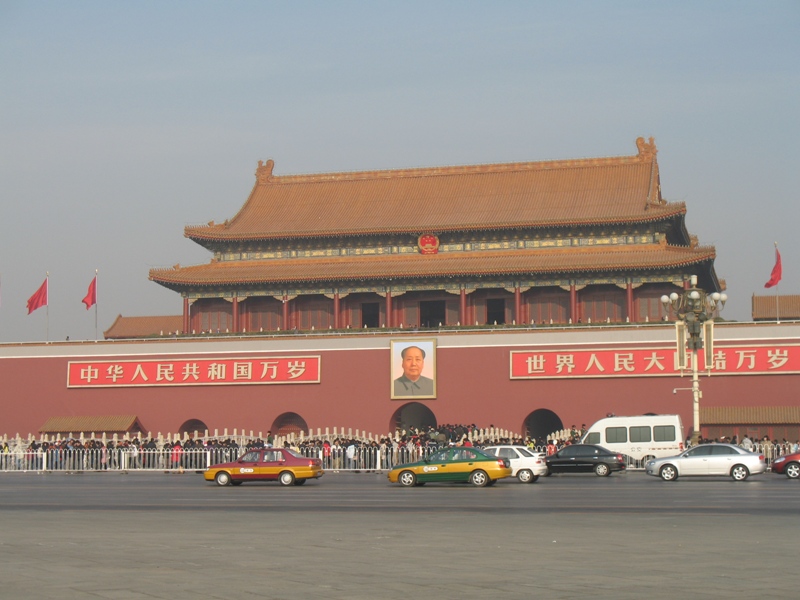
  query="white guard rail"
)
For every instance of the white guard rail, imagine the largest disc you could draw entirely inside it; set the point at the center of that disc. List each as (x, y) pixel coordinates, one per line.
(359, 458)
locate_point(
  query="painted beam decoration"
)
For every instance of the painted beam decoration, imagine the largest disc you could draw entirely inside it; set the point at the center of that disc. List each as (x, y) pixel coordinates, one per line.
(650, 362)
(170, 372)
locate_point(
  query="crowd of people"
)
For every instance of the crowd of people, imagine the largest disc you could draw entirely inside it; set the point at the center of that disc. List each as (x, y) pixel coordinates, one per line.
(337, 452)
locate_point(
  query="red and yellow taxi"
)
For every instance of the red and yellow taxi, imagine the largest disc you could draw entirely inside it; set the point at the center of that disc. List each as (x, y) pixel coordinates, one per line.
(265, 464)
(456, 464)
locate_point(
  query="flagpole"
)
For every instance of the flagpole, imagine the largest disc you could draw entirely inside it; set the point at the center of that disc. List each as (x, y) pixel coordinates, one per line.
(95, 305)
(777, 296)
(47, 306)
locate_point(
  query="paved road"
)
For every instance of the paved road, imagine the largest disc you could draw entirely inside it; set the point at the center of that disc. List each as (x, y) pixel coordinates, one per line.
(355, 536)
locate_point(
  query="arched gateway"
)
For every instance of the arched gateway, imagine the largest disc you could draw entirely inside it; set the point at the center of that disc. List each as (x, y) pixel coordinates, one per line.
(414, 415)
(541, 423)
(191, 426)
(289, 423)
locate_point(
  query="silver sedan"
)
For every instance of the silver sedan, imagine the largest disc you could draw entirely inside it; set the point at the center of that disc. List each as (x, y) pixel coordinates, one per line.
(709, 459)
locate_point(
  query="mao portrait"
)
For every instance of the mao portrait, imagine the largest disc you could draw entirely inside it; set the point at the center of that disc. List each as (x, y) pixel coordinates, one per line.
(413, 369)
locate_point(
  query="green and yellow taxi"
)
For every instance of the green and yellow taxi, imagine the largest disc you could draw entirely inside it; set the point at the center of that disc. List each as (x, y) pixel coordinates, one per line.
(456, 464)
(265, 464)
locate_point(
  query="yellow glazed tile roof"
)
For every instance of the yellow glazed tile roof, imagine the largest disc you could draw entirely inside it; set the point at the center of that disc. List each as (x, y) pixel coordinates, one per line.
(480, 197)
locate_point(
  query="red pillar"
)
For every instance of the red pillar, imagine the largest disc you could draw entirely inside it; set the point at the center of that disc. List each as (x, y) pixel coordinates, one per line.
(462, 308)
(629, 290)
(286, 324)
(573, 303)
(389, 308)
(186, 316)
(517, 305)
(235, 307)
(336, 310)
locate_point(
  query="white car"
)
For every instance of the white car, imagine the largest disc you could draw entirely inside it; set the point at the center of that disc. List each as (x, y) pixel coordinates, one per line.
(709, 459)
(526, 465)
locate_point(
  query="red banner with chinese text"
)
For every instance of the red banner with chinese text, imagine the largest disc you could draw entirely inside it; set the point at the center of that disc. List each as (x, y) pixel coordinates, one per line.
(184, 371)
(728, 360)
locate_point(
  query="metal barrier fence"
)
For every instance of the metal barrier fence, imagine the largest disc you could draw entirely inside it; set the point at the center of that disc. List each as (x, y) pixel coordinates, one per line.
(115, 459)
(334, 458)
(132, 458)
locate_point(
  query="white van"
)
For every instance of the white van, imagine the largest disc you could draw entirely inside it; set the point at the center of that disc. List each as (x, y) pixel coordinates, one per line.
(642, 437)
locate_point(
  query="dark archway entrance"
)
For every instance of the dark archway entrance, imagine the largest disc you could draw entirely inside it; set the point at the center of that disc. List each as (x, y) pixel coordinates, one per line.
(289, 423)
(541, 423)
(432, 313)
(191, 426)
(414, 415)
(370, 315)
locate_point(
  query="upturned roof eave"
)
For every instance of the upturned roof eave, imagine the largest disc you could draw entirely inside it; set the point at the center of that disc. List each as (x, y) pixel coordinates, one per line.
(196, 235)
(177, 284)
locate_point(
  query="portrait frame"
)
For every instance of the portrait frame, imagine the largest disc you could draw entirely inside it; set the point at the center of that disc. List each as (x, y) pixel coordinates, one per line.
(400, 387)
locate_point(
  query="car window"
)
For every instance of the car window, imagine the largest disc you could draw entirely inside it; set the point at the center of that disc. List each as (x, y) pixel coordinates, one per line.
(719, 450)
(699, 451)
(250, 457)
(640, 433)
(439, 456)
(465, 454)
(524, 452)
(587, 450)
(507, 453)
(592, 438)
(569, 451)
(664, 433)
(491, 451)
(616, 435)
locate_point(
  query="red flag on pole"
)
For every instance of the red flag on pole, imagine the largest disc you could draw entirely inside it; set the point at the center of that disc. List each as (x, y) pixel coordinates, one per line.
(39, 298)
(777, 271)
(91, 296)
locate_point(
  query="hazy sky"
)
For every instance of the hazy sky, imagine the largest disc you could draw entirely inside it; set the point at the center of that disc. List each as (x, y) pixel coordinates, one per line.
(121, 123)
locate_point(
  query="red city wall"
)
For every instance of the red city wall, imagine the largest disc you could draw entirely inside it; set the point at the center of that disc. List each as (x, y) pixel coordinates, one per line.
(473, 386)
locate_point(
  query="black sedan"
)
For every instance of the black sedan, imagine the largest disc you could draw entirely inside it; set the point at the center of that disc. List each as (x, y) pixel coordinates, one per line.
(585, 458)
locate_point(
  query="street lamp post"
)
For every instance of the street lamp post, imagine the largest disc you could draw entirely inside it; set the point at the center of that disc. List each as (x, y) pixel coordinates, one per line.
(696, 311)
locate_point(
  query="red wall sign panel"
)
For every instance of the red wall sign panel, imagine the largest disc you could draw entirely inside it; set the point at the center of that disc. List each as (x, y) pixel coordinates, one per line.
(184, 371)
(728, 360)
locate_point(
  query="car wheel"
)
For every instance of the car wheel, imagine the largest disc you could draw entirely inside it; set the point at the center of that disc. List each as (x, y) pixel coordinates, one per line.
(602, 470)
(525, 476)
(740, 472)
(407, 479)
(668, 473)
(223, 478)
(792, 470)
(286, 478)
(300, 481)
(479, 478)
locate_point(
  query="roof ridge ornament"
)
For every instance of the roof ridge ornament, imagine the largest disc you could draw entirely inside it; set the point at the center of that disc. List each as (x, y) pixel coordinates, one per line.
(264, 172)
(647, 150)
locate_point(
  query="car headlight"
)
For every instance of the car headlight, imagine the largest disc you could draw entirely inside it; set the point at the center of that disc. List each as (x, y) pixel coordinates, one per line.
(781, 459)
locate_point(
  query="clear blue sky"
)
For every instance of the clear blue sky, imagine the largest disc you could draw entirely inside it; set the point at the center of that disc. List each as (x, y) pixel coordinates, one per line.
(120, 123)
